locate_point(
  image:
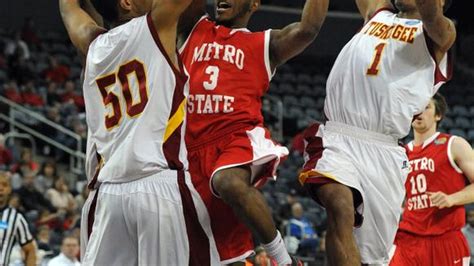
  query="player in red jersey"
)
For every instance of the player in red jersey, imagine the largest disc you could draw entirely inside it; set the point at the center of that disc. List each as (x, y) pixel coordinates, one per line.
(430, 230)
(230, 151)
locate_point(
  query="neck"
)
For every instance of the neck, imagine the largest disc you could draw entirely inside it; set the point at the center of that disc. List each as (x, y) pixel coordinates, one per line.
(410, 14)
(421, 137)
(3, 204)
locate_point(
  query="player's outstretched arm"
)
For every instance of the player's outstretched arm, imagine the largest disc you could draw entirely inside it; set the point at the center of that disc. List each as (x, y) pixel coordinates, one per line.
(368, 7)
(463, 156)
(30, 253)
(294, 38)
(440, 28)
(81, 27)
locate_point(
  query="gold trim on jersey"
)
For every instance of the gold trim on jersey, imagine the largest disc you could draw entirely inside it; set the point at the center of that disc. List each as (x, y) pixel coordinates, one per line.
(175, 120)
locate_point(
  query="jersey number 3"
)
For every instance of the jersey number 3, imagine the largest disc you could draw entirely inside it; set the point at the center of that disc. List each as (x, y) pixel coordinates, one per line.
(133, 107)
(374, 67)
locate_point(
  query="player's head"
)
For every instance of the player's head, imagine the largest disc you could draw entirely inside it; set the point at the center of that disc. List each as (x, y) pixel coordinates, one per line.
(433, 114)
(115, 12)
(5, 188)
(410, 5)
(235, 13)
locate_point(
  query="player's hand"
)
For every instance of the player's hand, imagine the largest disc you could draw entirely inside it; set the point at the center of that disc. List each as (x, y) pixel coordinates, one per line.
(440, 200)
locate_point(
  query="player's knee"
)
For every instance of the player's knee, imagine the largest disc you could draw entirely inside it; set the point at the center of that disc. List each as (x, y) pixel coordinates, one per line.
(230, 184)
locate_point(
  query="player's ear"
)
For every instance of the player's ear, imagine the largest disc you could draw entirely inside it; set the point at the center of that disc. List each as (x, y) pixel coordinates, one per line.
(255, 5)
(125, 5)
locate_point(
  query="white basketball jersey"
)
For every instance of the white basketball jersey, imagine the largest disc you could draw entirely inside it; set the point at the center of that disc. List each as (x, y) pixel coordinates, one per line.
(135, 99)
(384, 76)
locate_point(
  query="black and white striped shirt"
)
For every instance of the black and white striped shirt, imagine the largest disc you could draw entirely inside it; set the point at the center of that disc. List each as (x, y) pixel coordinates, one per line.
(13, 229)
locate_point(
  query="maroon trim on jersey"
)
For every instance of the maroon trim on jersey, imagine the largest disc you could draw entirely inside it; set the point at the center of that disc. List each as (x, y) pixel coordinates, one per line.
(154, 33)
(91, 214)
(93, 181)
(173, 143)
(314, 148)
(438, 75)
(199, 248)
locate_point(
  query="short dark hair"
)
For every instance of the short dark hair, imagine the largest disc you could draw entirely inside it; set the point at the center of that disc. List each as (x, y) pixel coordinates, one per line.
(108, 9)
(441, 107)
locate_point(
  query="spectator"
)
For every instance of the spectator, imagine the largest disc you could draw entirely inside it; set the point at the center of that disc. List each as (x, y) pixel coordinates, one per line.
(69, 253)
(284, 213)
(46, 176)
(13, 227)
(301, 228)
(31, 198)
(12, 92)
(71, 96)
(30, 96)
(468, 230)
(57, 73)
(6, 157)
(17, 48)
(81, 197)
(52, 95)
(28, 33)
(43, 239)
(60, 197)
(26, 163)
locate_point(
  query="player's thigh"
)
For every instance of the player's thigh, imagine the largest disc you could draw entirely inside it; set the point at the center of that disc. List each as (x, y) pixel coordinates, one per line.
(409, 250)
(337, 199)
(383, 182)
(110, 242)
(450, 249)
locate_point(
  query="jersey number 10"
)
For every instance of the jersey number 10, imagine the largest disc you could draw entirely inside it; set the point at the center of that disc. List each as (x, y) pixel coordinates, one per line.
(133, 109)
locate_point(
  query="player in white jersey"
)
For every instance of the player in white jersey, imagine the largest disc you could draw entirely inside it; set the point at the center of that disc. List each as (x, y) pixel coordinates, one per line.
(354, 167)
(145, 210)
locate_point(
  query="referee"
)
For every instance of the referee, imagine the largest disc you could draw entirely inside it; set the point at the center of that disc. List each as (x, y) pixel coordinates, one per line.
(13, 228)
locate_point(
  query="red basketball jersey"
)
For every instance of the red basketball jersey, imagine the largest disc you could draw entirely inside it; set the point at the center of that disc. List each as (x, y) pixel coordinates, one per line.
(229, 72)
(432, 169)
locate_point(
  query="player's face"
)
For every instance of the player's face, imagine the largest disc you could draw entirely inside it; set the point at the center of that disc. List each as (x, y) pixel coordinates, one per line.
(228, 12)
(427, 119)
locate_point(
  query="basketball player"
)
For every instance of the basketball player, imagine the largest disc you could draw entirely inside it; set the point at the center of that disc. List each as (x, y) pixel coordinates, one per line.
(385, 75)
(230, 151)
(436, 192)
(146, 210)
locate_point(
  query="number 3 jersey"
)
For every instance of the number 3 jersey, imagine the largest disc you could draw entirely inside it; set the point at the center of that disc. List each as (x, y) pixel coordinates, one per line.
(229, 72)
(384, 76)
(135, 104)
(432, 169)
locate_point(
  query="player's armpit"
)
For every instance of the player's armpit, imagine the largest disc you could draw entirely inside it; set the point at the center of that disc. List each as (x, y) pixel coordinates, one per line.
(294, 38)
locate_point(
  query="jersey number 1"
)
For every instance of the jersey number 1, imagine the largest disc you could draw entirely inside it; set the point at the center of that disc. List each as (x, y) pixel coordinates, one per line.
(374, 67)
(133, 109)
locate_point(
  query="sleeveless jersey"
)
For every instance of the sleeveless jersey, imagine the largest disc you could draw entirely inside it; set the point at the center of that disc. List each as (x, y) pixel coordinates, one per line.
(135, 104)
(433, 169)
(384, 76)
(229, 72)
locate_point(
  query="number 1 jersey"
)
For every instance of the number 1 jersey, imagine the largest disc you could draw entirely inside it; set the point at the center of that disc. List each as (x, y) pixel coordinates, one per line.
(384, 76)
(229, 72)
(432, 168)
(135, 104)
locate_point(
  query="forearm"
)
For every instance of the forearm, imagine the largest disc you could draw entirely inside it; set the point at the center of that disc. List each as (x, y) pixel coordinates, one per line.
(430, 10)
(314, 13)
(89, 8)
(464, 196)
(30, 255)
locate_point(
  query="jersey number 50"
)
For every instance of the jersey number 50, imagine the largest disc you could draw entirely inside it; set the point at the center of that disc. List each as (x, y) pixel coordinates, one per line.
(133, 109)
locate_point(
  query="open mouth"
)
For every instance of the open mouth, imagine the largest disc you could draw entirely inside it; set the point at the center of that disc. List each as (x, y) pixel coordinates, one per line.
(223, 6)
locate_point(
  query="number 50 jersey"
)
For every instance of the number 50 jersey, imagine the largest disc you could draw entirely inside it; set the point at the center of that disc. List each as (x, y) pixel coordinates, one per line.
(384, 76)
(135, 103)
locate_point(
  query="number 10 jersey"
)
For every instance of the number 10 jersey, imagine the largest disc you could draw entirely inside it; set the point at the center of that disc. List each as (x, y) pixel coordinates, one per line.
(384, 76)
(135, 103)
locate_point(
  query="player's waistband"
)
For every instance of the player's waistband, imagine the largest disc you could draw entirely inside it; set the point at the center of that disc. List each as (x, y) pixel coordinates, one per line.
(164, 175)
(220, 135)
(360, 133)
